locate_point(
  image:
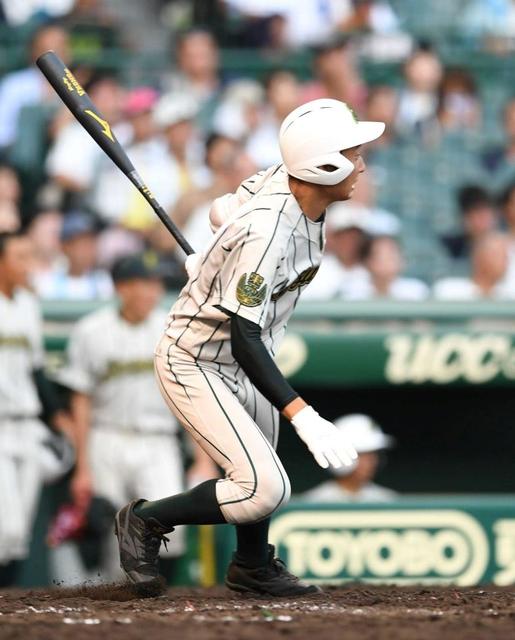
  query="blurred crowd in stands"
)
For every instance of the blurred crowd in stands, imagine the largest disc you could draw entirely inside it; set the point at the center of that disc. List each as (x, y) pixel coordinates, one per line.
(434, 216)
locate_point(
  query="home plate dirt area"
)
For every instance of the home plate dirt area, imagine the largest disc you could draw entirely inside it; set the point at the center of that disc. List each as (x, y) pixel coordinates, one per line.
(345, 613)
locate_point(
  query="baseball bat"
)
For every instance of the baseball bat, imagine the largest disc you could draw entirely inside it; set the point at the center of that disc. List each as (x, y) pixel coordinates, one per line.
(79, 103)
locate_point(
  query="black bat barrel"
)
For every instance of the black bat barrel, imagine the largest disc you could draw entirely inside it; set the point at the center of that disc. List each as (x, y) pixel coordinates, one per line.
(78, 102)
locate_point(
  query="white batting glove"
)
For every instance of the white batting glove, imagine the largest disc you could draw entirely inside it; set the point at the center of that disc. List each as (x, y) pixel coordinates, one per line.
(192, 263)
(327, 444)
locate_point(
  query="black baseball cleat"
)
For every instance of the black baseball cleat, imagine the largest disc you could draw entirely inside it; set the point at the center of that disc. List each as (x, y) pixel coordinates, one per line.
(139, 541)
(273, 579)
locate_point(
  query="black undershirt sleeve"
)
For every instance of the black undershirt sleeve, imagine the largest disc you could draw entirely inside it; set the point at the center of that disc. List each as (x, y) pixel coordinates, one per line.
(251, 354)
(50, 399)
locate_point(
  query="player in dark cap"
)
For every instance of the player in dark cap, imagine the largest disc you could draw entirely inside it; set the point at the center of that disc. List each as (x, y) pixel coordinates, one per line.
(126, 436)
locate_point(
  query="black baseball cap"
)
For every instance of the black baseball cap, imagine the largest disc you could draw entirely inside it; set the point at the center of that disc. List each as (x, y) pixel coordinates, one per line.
(145, 265)
(77, 223)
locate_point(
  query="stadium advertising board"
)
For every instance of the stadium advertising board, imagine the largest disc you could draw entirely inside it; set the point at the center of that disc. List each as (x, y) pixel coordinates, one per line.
(461, 543)
(391, 358)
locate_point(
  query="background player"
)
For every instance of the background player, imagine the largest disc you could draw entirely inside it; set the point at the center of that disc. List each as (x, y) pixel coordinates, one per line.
(370, 441)
(214, 363)
(126, 437)
(25, 394)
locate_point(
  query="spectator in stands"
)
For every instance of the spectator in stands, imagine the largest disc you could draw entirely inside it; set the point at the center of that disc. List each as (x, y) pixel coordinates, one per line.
(336, 74)
(375, 26)
(229, 165)
(197, 73)
(115, 198)
(19, 13)
(10, 193)
(499, 161)
(28, 86)
(370, 16)
(280, 24)
(488, 18)
(92, 27)
(78, 278)
(383, 259)
(174, 116)
(478, 217)
(116, 241)
(507, 203)
(357, 486)
(220, 152)
(382, 105)
(342, 270)
(489, 266)
(44, 232)
(282, 96)
(240, 109)
(74, 159)
(459, 105)
(376, 220)
(418, 99)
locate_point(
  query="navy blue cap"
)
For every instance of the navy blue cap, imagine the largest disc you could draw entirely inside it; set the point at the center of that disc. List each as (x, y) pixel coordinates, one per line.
(144, 265)
(77, 223)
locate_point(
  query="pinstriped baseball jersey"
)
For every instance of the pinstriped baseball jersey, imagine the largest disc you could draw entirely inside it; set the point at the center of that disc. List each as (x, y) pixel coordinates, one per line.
(112, 361)
(256, 266)
(21, 351)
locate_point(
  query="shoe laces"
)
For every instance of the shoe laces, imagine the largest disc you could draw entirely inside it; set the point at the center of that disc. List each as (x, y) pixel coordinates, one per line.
(279, 567)
(153, 537)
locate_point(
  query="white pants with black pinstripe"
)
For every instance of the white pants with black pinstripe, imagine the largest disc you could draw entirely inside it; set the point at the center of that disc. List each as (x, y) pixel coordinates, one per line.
(20, 484)
(124, 466)
(234, 424)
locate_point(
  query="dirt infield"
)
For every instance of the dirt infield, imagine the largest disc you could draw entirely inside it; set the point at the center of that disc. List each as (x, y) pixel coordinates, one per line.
(353, 612)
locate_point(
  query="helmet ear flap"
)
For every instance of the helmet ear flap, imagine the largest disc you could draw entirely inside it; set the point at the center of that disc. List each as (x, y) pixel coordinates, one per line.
(327, 169)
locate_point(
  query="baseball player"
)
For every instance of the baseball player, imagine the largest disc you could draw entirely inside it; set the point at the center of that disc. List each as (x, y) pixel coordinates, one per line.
(215, 365)
(358, 485)
(126, 437)
(25, 394)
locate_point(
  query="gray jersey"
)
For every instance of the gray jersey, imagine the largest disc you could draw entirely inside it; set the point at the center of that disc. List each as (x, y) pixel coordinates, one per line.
(112, 361)
(332, 491)
(21, 351)
(255, 266)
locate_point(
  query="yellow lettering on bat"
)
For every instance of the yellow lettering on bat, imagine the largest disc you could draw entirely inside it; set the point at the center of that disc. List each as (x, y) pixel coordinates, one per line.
(71, 82)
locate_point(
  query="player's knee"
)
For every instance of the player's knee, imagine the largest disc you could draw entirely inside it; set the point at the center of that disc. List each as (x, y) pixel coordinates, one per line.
(273, 491)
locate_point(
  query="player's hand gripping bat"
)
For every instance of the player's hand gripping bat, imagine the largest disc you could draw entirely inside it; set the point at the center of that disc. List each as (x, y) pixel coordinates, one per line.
(79, 103)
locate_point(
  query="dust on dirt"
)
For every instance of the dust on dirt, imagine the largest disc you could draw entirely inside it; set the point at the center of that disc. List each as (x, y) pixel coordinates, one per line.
(351, 612)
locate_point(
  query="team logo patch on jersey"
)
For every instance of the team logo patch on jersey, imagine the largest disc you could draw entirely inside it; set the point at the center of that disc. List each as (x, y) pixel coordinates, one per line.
(251, 291)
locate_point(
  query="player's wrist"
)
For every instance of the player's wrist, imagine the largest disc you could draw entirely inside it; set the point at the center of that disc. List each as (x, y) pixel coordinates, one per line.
(304, 418)
(293, 408)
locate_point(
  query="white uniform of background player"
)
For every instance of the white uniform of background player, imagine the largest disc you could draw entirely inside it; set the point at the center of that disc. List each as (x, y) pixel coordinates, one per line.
(132, 443)
(24, 458)
(21, 432)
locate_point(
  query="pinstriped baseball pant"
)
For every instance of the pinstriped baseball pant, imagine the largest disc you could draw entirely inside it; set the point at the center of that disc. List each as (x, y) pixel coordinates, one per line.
(20, 484)
(234, 424)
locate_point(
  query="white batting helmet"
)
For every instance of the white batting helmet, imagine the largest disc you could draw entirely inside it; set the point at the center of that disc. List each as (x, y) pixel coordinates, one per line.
(313, 135)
